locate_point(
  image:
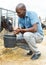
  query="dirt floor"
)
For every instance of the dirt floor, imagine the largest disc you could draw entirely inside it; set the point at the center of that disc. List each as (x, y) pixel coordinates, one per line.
(17, 56)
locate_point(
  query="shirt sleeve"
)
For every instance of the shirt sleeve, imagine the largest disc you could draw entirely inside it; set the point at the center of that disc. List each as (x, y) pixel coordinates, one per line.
(34, 18)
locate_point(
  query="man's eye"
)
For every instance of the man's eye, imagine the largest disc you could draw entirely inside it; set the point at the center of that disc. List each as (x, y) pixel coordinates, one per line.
(18, 12)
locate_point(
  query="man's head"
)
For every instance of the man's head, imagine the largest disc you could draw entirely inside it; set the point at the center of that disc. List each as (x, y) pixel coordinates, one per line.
(21, 10)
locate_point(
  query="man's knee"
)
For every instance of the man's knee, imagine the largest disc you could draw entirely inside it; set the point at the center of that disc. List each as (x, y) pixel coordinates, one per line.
(27, 35)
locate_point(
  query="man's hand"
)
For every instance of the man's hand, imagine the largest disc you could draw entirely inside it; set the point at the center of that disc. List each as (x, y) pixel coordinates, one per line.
(16, 31)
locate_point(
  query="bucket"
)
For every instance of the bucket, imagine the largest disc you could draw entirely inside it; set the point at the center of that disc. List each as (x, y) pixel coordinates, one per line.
(9, 41)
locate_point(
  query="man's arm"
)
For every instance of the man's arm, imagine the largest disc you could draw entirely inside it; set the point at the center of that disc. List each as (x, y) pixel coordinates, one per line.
(32, 29)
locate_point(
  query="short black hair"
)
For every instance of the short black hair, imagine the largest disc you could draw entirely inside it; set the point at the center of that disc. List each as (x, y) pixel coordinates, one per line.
(21, 5)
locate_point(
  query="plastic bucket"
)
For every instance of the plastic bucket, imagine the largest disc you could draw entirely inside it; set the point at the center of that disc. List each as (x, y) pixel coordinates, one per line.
(9, 41)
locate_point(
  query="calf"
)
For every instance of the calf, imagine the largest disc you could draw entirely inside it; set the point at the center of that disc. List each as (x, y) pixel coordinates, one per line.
(5, 23)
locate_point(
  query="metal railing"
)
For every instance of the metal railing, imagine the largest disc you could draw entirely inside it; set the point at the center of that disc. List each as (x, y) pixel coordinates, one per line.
(7, 14)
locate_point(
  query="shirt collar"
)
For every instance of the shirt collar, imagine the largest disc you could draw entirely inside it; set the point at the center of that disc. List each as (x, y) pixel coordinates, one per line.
(26, 14)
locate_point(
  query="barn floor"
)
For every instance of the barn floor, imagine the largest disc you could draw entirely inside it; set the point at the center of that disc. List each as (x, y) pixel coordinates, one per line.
(17, 56)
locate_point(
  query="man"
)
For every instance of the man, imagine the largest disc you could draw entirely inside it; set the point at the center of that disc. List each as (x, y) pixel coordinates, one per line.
(30, 27)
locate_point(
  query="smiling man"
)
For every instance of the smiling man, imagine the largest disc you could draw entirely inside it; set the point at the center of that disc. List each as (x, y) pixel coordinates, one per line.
(30, 27)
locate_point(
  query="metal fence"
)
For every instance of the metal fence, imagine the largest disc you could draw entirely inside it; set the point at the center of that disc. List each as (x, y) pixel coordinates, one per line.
(7, 14)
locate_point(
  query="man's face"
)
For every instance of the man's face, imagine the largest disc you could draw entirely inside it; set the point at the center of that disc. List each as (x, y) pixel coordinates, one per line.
(21, 12)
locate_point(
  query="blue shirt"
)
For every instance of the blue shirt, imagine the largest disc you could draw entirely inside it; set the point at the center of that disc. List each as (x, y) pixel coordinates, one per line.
(29, 20)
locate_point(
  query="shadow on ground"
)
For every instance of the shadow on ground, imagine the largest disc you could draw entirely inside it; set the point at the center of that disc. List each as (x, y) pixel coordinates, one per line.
(17, 56)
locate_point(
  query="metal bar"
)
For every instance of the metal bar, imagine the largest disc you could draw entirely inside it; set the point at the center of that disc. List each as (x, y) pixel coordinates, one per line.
(8, 10)
(0, 17)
